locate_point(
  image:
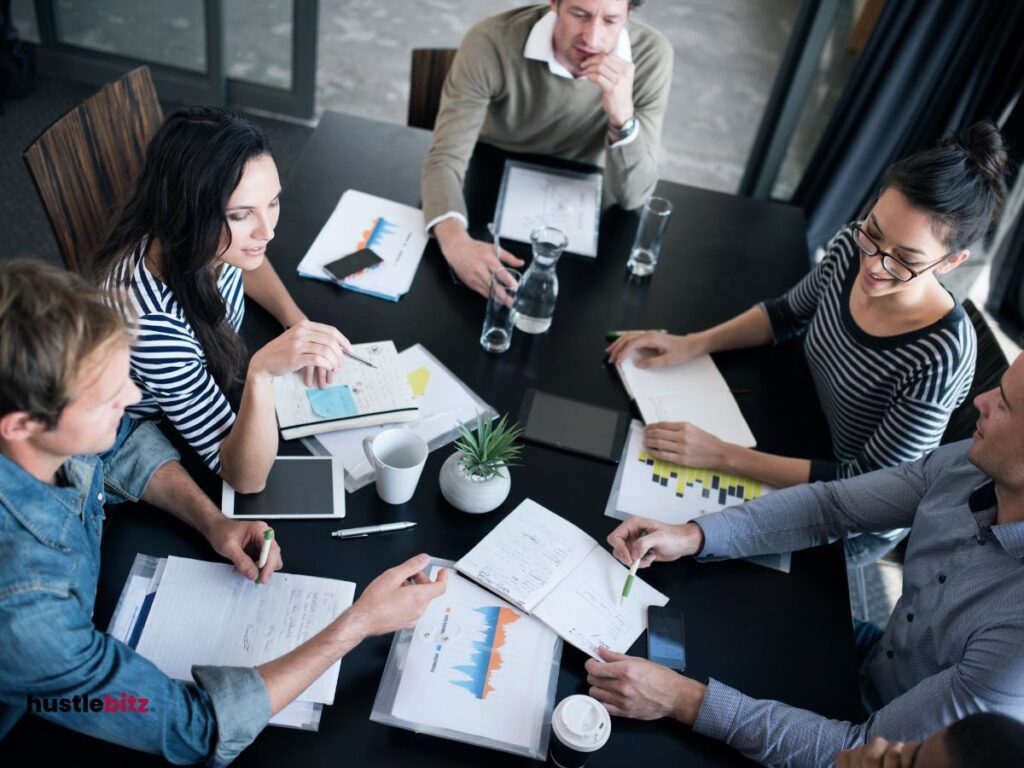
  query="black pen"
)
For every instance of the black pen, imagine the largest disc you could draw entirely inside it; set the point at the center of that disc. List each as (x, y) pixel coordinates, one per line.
(358, 359)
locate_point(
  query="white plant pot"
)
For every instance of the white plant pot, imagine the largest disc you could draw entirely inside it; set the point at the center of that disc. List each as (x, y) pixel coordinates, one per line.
(471, 494)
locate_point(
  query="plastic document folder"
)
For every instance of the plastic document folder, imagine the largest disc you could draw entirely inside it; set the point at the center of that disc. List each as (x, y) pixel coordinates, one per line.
(179, 612)
(473, 669)
(395, 232)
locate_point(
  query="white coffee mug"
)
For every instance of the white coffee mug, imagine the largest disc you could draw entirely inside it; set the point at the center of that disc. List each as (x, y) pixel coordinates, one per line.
(397, 457)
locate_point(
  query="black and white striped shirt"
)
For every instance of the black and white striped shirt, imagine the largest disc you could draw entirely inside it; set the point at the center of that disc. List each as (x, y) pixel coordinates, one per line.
(169, 364)
(887, 399)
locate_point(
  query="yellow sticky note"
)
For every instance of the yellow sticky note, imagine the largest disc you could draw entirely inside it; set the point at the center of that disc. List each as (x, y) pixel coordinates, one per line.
(418, 381)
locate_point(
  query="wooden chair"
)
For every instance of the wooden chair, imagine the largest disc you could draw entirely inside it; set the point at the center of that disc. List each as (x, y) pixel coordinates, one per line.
(429, 69)
(87, 162)
(988, 370)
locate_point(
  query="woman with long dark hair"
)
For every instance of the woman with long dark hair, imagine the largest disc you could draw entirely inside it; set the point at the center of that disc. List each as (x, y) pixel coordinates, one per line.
(186, 248)
(891, 350)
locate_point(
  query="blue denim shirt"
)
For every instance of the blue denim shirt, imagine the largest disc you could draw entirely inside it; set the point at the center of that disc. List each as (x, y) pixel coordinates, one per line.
(51, 650)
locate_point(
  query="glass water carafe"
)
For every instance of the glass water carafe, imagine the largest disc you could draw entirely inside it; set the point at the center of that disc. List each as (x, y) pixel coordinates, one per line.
(535, 303)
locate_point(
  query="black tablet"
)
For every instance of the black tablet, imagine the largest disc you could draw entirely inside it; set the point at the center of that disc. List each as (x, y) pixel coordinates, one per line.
(298, 487)
(573, 426)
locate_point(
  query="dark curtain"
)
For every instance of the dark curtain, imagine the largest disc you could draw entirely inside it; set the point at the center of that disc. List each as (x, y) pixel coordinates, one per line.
(930, 67)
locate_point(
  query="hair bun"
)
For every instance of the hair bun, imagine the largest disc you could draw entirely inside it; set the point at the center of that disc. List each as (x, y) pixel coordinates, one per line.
(984, 146)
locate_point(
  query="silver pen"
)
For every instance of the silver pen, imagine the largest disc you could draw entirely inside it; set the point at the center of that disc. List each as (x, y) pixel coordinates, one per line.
(366, 530)
(358, 359)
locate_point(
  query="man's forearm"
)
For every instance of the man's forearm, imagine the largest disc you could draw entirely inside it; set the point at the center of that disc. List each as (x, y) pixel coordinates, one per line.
(289, 675)
(173, 490)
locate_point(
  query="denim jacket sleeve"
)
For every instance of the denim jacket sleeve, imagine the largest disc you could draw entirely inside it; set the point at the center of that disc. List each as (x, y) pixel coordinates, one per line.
(139, 450)
(52, 650)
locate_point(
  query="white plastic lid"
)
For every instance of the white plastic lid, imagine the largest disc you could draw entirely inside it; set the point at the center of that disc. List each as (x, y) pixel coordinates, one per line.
(581, 723)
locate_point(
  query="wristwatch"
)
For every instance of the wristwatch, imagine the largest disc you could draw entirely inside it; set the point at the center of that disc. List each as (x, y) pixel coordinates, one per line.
(628, 128)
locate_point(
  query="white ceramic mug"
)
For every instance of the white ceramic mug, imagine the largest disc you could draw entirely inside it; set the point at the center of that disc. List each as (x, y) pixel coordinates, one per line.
(397, 457)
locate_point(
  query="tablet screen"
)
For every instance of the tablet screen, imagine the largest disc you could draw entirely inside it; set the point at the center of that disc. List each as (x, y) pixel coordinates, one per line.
(575, 426)
(301, 486)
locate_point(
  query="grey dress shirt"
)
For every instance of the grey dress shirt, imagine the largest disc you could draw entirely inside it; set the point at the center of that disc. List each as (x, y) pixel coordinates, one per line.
(954, 644)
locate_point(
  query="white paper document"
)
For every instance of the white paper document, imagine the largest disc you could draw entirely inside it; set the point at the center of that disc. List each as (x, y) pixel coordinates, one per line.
(443, 401)
(395, 232)
(478, 667)
(206, 613)
(359, 396)
(670, 493)
(550, 568)
(694, 391)
(536, 196)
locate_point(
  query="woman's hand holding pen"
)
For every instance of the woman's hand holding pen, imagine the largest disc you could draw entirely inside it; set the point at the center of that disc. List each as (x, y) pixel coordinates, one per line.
(305, 345)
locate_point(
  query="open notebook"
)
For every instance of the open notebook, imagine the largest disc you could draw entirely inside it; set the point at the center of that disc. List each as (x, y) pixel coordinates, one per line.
(694, 391)
(359, 396)
(549, 568)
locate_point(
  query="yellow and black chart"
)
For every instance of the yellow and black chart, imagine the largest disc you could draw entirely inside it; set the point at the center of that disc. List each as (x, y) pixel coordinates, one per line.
(688, 482)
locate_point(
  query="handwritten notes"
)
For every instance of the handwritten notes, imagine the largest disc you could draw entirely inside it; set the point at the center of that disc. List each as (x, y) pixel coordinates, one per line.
(206, 613)
(547, 566)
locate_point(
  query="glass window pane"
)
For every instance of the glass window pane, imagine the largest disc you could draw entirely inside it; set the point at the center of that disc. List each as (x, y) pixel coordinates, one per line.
(24, 14)
(838, 57)
(258, 42)
(166, 33)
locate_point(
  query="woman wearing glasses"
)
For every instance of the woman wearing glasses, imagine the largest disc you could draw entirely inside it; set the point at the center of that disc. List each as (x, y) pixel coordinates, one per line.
(891, 351)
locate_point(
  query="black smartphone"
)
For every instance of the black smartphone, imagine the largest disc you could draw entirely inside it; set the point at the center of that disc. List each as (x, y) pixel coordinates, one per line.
(665, 643)
(354, 262)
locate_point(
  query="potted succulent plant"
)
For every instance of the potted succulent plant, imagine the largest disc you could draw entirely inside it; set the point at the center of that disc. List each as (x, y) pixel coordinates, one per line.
(476, 477)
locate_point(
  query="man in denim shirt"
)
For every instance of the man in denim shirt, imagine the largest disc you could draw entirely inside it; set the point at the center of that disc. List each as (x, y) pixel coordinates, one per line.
(65, 450)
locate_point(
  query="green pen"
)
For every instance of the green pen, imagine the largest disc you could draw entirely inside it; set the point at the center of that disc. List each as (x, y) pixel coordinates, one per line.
(632, 574)
(268, 539)
(613, 335)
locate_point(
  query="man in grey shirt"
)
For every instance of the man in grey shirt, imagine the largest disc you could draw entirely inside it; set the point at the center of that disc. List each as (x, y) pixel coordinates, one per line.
(574, 79)
(954, 644)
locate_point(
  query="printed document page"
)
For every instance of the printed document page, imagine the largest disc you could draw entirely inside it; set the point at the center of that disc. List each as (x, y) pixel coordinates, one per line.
(534, 196)
(477, 666)
(206, 613)
(393, 231)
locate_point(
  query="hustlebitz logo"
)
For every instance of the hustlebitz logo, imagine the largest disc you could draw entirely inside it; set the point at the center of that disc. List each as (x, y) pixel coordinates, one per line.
(109, 703)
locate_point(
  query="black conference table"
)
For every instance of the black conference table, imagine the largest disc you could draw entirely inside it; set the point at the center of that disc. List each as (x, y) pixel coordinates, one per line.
(769, 634)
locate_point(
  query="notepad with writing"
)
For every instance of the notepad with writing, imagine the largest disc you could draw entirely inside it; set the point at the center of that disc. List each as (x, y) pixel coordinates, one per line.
(694, 391)
(206, 613)
(548, 567)
(359, 396)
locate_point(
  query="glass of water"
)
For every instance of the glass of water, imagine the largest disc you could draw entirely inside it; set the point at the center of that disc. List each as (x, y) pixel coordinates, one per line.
(650, 236)
(500, 320)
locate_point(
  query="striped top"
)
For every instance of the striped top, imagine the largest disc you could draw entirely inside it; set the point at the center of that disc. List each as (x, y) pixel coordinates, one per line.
(169, 364)
(887, 399)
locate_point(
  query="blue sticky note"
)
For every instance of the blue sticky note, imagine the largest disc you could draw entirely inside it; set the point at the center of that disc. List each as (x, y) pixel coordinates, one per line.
(332, 402)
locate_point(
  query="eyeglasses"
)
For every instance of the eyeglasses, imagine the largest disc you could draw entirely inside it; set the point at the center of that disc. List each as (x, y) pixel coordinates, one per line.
(869, 247)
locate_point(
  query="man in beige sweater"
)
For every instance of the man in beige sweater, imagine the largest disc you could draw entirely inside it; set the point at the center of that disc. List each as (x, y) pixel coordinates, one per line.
(575, 79)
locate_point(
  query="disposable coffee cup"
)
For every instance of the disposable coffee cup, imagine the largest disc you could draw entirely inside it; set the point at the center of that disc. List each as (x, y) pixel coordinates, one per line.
(580, 726)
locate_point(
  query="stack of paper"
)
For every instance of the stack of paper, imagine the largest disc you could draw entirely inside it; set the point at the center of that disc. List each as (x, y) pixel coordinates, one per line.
(694, 391)
(178, 612)
(393, 231)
